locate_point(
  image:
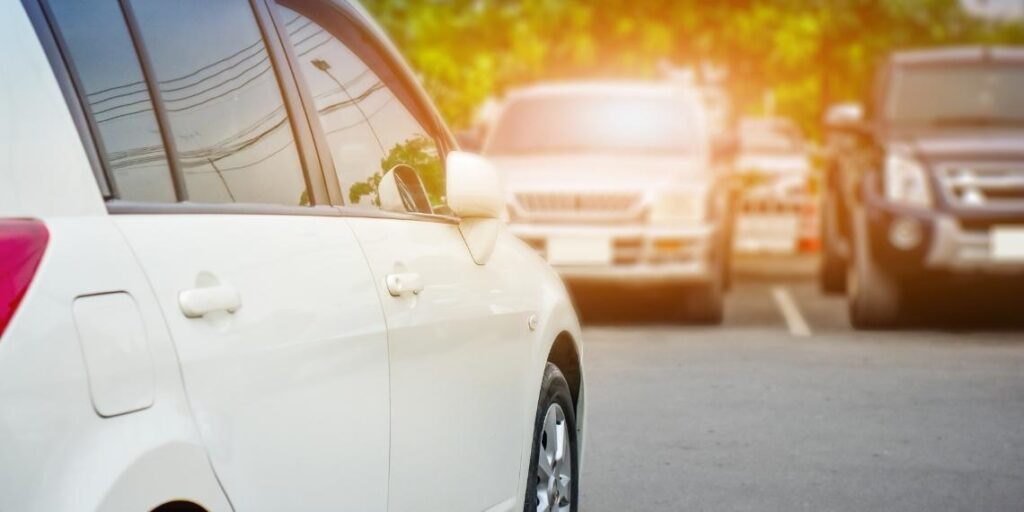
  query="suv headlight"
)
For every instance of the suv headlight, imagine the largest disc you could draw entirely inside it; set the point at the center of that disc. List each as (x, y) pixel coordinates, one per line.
(679, 206)
(906, 180)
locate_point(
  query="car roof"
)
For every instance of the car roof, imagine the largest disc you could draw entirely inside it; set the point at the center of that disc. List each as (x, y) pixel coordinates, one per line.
(628, 88)
(958, 54)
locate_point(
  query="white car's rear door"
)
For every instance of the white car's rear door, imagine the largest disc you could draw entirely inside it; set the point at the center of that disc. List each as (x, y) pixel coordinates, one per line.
(290, 390)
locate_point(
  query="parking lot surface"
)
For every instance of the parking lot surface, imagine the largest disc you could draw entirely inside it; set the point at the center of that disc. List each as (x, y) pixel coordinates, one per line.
(763, 414)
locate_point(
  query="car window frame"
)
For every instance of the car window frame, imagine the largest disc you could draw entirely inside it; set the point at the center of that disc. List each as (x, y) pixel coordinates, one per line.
(350, 28)
(60, 62)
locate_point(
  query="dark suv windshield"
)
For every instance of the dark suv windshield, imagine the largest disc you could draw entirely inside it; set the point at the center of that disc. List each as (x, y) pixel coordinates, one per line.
(958, 94)
(596, 123)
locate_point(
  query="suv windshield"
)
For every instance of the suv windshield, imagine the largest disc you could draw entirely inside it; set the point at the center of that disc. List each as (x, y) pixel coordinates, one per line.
(661, 124)
(770, 137)
(960, 94)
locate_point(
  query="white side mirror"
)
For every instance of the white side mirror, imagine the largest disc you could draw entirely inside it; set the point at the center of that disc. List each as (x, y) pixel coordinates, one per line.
(475, 196)
(473, 188)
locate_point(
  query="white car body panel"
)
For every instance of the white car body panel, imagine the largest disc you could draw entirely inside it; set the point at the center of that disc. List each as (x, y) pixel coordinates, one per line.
(293, 387)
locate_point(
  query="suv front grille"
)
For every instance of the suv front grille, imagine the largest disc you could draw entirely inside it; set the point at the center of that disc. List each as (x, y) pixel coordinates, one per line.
(983, 185)
(607, 206)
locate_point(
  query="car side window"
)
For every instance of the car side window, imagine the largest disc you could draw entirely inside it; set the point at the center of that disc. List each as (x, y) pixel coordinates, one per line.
(100, 51)
(368, 129)
(231, 130)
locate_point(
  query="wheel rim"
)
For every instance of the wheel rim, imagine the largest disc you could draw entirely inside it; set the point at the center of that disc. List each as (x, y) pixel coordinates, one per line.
(554, 463)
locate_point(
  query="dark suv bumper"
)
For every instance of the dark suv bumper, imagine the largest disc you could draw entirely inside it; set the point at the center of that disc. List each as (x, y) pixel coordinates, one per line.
(950, 242)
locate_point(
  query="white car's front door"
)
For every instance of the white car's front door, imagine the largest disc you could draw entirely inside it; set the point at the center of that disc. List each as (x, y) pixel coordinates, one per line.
(458, 351)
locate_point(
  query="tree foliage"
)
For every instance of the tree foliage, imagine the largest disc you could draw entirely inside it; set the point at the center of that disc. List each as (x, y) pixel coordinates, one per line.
(807, 52)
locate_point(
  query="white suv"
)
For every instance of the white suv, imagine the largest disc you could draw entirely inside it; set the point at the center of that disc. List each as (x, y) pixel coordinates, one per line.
(619, 182)
(242, 266)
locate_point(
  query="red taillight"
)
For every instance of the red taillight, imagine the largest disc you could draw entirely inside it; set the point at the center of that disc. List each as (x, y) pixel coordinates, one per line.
(22, 243)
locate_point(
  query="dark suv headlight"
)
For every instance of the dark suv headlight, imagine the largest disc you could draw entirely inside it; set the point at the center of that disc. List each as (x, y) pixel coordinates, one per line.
(906, 180)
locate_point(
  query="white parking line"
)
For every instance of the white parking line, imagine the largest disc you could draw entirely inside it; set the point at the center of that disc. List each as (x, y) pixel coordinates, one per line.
(794, 319)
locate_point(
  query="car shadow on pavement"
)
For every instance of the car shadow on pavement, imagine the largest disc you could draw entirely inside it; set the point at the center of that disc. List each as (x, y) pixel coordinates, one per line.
(986, 307)
(627, 305)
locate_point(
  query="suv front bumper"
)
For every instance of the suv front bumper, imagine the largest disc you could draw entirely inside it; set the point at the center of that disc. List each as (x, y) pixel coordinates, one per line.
(948, 243)
(636, 253)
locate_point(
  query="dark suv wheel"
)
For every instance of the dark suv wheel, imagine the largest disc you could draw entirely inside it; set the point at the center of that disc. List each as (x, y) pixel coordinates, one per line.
(874, 296)
(832, 272)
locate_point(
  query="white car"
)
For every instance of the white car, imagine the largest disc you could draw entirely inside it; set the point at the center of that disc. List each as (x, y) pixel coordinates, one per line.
(777, 212)
(617, 183)
(243, 267)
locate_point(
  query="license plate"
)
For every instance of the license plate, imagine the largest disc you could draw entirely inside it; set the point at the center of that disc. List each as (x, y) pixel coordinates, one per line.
(1007, 243)
(579, 251)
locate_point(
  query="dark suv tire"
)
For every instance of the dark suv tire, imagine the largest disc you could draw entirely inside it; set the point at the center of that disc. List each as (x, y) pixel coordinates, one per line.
(832, 272)
(874, 296)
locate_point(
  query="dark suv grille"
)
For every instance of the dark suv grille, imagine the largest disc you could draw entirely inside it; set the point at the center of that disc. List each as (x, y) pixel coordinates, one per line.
(983, 185)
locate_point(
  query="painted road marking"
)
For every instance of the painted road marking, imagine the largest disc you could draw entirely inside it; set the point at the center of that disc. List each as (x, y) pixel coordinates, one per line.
(794, 319)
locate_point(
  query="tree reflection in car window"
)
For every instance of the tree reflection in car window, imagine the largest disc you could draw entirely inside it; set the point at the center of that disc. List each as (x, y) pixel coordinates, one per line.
(223, 102)
(367, 128)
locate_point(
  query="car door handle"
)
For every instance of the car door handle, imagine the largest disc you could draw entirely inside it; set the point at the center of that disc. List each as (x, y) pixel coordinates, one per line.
(408, 282)
(197, 302)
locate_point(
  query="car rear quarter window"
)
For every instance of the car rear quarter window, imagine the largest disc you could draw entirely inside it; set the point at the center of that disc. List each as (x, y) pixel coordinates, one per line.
(99, 49)
(367, 127)
(224, 106)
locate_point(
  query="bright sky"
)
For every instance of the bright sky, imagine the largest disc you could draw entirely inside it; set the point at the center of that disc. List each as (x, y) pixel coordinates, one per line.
(996, 8)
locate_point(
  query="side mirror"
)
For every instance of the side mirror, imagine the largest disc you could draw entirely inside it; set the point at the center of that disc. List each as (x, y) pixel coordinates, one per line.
(475, 196)
(401, 191)
(845, 117)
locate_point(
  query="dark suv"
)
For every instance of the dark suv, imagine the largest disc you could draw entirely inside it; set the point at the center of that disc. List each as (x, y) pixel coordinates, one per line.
(927, 181)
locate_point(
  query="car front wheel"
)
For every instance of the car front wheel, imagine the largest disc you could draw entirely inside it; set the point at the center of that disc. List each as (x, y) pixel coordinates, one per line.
(554, 468)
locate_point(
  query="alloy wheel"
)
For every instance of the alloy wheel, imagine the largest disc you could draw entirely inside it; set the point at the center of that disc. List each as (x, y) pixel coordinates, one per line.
(554, 463)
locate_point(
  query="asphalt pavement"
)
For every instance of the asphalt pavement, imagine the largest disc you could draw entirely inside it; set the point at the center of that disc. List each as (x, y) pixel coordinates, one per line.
(762, 414)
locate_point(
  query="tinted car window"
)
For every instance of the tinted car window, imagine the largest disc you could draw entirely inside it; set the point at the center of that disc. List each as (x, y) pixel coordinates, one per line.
(367, 128)
(224, 105)
(100, 50)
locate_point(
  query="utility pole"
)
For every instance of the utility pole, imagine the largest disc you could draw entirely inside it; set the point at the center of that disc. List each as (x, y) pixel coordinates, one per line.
(324, 66)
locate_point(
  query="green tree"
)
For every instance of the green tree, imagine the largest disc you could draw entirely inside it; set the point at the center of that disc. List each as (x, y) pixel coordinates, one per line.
(807, 52)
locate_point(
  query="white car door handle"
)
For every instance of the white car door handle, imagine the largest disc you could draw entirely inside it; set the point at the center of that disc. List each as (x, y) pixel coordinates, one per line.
(200, 301)
(399, 284)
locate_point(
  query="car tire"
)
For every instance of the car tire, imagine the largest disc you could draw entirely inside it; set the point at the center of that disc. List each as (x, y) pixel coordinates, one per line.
(552, 483)
(832, 272)
(874, 297)
(705, 304)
